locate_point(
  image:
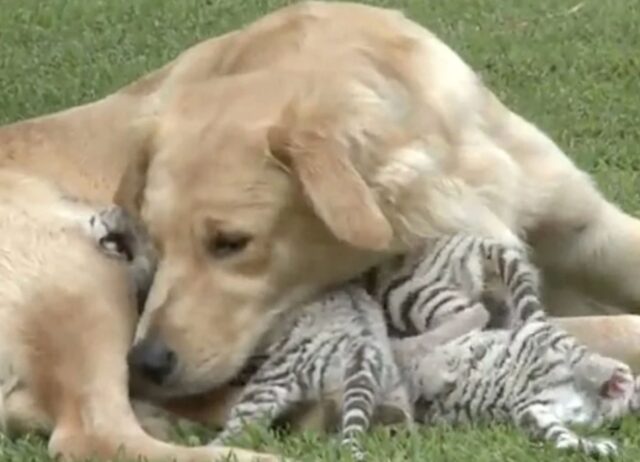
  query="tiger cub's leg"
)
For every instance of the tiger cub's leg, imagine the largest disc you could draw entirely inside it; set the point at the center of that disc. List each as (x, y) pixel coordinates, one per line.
(407, 349)
(432, 306)
(541, 423)
(519, 277)
(429, 373)
(609, 383)
(269, 394)
(423, 290)
(396, 408)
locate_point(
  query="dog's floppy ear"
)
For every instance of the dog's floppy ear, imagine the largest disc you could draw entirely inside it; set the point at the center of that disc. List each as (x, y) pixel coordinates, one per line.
(130, 192)
(337, 192)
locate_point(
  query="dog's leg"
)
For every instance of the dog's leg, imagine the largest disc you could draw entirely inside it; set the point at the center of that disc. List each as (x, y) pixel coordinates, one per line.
(77, 373)
(211, 409)
(612, 336)
(587, 248)
(597, 253)
(579, 238)
(19, 413)
(100, 423)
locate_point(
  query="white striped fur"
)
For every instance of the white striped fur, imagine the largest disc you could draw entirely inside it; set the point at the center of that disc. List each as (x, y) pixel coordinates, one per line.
(535, 376)
(447, 276)
(336, 345)
(531, 374)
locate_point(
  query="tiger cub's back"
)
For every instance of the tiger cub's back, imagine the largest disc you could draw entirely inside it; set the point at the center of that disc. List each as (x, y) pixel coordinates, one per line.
(452, 274)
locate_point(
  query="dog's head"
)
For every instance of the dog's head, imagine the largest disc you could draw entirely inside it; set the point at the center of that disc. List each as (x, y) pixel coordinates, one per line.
(253, 205)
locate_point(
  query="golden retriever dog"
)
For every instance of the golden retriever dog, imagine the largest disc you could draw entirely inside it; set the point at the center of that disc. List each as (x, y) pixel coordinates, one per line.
(268, 163)
(67, 318)
(318, 141)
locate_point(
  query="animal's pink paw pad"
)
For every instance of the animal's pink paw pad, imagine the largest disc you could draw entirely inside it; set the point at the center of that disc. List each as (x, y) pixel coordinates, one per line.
(620, 384)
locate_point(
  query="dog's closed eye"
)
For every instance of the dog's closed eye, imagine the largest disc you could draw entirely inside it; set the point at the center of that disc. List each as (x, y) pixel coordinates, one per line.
(224, 244)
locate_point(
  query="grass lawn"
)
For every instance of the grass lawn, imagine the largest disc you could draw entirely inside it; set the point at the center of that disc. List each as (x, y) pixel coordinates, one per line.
(572, 66)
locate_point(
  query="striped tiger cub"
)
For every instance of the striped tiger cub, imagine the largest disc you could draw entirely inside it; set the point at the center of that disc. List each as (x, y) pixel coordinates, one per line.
(335, 345)
(447, 276)
(529, 373)
(535, 376)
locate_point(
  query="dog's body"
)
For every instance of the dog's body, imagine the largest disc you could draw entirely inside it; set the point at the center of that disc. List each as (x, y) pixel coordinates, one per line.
(66, 322)
(472, 155)
(381, 136)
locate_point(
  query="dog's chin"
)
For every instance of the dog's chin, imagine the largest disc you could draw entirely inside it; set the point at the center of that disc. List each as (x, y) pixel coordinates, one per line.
(186, 382)
(139, 388)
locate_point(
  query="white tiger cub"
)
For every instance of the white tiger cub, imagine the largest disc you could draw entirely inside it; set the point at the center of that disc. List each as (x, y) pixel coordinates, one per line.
(535, 376)
(530, 372)
(336, 346)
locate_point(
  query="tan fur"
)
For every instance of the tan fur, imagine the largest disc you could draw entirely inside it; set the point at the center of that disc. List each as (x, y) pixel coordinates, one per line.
(66, 323)
(362, 90)
(612, 336)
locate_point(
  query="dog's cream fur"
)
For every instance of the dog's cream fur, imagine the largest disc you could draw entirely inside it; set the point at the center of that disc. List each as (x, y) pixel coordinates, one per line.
(347, 134)
(332, 133)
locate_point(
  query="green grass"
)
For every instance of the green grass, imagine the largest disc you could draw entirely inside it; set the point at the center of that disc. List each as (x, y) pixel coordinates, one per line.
(572, 67)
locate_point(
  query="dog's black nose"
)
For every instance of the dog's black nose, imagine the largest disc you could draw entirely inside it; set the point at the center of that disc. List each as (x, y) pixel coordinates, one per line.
(152, 359)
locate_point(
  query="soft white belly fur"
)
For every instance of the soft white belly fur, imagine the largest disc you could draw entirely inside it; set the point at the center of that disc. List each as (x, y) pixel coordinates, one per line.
(572, 407)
